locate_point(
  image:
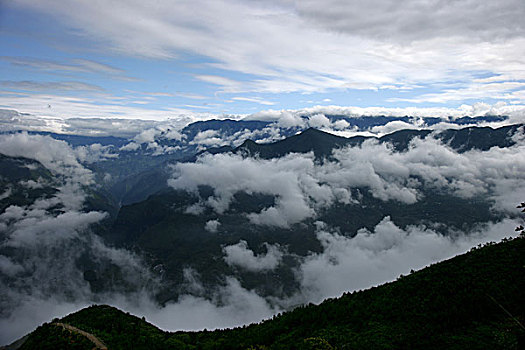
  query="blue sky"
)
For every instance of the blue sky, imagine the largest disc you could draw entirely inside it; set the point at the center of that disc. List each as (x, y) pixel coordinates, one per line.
(154, 60)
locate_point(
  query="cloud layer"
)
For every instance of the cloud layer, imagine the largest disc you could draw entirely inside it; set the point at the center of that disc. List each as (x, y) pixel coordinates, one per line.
(302, 187)
(462, 49)
(47, 244)
(42, 278)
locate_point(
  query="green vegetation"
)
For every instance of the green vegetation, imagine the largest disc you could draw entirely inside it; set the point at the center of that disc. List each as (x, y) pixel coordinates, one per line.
(51, 337)
(472, 301)
(14, 173)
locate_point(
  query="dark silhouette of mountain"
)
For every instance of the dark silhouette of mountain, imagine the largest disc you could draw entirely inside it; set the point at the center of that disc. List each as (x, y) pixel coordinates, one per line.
(81, 140)
(228, 126)
(472, 301)
(14, 172)
(137, 176)
(310, 140)
(323, 143)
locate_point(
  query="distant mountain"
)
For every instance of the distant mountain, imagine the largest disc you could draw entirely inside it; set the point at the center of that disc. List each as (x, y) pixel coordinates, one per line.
(226, 126)
(367, 122)
(310, 140)
(82, 140)
(322, 143)
(473, 301)
(22, 181)
(139, 186)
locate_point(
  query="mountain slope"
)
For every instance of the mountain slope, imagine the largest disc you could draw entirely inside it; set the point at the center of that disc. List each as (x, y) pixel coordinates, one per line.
(137, 185)
(322, 143)
(471, 301)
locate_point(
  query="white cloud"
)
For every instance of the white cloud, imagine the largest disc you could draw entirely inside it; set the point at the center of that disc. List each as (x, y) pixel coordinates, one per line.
(255, 100)
(371, 258)
(232, 305)
(212, 226)
(94, 153)
(43, 242)
(301, 186)
(228, 174)
(55, 155)
(319, 121)
(240, 255)
(308, 46)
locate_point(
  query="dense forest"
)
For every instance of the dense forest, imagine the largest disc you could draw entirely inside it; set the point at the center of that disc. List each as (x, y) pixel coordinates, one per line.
(472, 301)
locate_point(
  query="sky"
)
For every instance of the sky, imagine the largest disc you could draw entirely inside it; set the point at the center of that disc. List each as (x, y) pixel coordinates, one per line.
(162, 59)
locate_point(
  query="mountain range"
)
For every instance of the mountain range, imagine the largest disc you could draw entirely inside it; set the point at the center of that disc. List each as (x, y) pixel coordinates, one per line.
(276, 221)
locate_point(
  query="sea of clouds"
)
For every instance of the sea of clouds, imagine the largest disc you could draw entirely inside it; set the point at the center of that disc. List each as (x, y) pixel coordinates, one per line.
(40, 245)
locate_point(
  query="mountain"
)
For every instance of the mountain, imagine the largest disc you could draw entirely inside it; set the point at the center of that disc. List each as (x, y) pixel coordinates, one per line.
(165, 228)
(368, 122)
(319, 142)
(322, 143)
(175, 239)
(471, 301)
(22, 181)
(339, 214)
(138, 186)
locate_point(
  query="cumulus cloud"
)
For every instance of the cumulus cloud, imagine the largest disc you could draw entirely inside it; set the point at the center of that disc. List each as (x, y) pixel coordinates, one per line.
(229, 174)
(212, 226)
(55, 155)
(94, 153)
(301, 186)
(207, 138)
(319, 121)
(231, 306)
(240, 255)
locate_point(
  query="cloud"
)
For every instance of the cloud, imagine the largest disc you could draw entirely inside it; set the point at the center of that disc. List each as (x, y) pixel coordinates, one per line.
(50, 86)
(240, 255)
(231, 306)
(53, 119)
(43, 279)
(229, 174)
(412, 21)
(301, 186)
(55, 155)
(57, 107)
(47, 245)
(94, 153)
(372, 258)
(319, 121)
(212, 226)
(77, 65)
(307, 46)
(255, 100)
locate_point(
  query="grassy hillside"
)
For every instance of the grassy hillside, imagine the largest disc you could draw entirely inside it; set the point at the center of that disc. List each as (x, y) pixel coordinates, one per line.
(472, 301)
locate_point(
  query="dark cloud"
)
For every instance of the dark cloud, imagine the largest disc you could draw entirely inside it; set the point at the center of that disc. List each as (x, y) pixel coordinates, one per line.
(406, 21)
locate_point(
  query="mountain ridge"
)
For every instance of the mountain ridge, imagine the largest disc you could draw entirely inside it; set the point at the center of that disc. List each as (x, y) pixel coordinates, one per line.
(472, 300)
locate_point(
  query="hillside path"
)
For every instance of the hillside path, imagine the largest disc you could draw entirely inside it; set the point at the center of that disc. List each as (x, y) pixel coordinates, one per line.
(98, 343)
